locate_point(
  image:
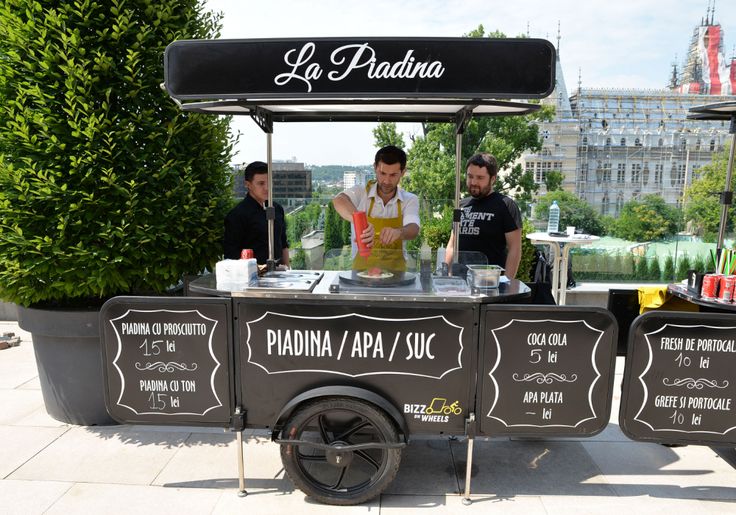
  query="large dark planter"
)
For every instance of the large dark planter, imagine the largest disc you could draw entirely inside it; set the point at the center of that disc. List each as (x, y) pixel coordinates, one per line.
(69, 358)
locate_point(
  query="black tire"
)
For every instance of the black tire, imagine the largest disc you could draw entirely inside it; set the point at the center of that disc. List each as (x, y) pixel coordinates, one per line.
(342, 478)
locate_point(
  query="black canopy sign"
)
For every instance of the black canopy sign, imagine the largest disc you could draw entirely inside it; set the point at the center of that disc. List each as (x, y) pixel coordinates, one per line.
(354, 345)
(679, 380)
(547, 374)
(473, 68)
(167, 360)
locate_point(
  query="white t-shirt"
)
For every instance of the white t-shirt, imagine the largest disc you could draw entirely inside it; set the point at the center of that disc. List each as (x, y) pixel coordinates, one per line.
(362, 201)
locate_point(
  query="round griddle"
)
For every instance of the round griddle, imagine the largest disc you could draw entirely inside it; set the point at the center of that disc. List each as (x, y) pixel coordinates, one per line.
(398, 279)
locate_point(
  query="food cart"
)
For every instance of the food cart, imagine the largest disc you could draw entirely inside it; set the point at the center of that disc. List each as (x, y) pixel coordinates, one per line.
(340, 370)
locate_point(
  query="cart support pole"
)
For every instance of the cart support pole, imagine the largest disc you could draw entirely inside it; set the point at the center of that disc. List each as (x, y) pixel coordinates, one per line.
(270, 210)
(468, 468)
(462, 118)
(241, 466)
(727, 194)
(456, 212)
(470, 430)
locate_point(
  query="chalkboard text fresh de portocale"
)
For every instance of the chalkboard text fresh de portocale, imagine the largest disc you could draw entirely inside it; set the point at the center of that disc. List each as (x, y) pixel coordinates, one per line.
(698, 344)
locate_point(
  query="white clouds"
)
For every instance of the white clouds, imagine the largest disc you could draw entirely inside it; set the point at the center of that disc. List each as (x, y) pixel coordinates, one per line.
(626, 43)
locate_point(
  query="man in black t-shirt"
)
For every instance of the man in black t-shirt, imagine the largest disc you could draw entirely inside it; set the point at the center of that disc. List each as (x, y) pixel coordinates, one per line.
(246, 226)
(490, 222)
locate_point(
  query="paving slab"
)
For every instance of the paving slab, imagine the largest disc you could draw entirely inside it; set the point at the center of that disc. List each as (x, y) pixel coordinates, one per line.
(690, 472)
(270, 503)
(426, 468)
(30, 497)
(639, 505)
(452, 504)
(38, 418)
(207, 460)
(111, 454)
(515, 468)
(18, 404)
(22, 444)
(17, 366)
(113, 499)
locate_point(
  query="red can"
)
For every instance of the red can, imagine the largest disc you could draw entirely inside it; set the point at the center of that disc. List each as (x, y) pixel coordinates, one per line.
(710, 286)
(246, 254)
(725, 292)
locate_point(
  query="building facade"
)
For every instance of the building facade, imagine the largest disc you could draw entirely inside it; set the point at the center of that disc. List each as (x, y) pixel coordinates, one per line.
(615, 145)
(351, 178)
(292, 182)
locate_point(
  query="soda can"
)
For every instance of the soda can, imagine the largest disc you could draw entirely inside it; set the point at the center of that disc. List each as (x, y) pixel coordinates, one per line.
(725, 292)
(246, 254)
(710, 286)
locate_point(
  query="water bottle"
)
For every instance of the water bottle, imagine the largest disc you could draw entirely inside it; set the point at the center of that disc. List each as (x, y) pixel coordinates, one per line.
(553, 222)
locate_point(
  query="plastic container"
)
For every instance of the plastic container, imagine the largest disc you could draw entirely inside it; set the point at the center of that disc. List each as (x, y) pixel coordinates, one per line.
(236, 274)
(425, 259)
(441, 268)
(484, 276)
(360, 223)
(553, 222)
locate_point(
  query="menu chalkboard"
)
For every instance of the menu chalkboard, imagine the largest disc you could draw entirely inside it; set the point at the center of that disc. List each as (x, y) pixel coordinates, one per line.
(419, 357)
(546, 371)
(168, 360)
(679, 384)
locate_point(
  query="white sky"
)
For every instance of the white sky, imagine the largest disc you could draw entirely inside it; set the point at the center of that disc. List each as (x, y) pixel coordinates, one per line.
(624, 43)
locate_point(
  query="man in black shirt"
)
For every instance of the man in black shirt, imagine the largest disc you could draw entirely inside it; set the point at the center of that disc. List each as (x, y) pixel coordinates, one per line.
(246, 226)
(490, 222)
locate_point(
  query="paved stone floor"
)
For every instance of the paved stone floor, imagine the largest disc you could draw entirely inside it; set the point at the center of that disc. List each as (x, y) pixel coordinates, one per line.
(50, 467)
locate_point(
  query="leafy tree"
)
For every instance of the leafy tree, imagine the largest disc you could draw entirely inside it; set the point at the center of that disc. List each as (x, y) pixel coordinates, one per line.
(347, 234)
(683, 265)
(702, 202)
(520, 184)
(298, 260)
(619, 273)
(333, 229)
(608, 223)
(573, 211)
(669, 269)
(700, 264)
(641, 271)
(106, 186)
(302, 221)
(385, 133)
(629, 266)
(436, 229)
(528, 250)
(647, 219)
(655, 272)
(431, 158)
(553, 180)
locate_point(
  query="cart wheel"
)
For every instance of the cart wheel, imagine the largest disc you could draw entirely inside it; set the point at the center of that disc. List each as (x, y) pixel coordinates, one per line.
(334, 477)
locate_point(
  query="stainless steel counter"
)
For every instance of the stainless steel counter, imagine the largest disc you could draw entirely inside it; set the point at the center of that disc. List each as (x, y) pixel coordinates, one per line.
(506, 292)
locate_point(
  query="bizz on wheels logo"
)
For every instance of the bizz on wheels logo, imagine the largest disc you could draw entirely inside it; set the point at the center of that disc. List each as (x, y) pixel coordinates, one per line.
(439, 410)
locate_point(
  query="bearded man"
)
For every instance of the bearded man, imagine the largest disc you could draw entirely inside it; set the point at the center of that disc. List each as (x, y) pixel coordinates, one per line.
(490, 222)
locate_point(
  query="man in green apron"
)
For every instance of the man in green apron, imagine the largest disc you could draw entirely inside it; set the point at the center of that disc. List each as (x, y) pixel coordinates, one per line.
(393, 214)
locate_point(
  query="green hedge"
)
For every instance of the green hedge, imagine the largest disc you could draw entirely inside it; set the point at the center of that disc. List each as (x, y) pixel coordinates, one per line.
(106, 186)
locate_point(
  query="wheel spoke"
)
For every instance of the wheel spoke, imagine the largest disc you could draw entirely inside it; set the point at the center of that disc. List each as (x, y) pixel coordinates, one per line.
(367, 457)
(312, 457)
(322, 428)
(357, 427)
(339, 479)
(332, 474)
